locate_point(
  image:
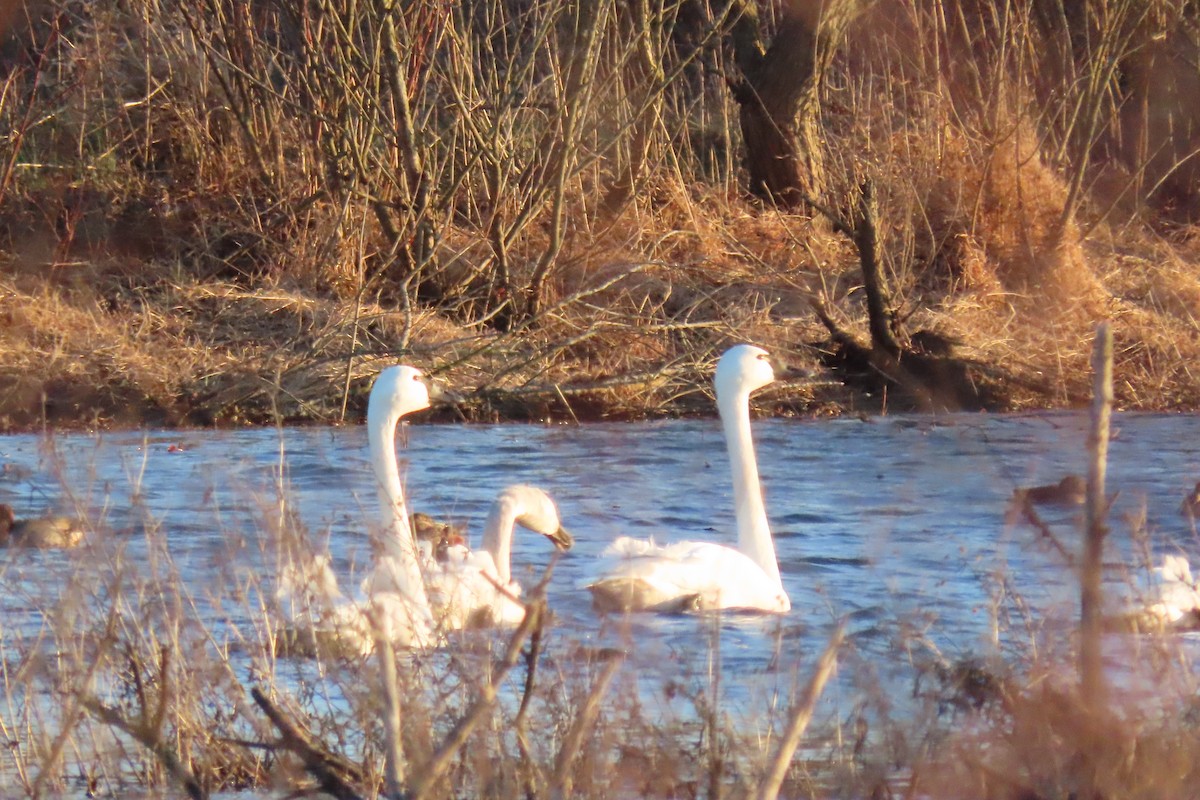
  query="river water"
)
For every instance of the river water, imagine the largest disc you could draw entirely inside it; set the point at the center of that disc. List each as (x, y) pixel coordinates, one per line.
(895, 524)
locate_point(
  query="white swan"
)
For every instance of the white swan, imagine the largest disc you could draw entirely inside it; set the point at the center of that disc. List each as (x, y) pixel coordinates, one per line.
(465, 589)
(643, 576)
(393, 597)
(1178, 601)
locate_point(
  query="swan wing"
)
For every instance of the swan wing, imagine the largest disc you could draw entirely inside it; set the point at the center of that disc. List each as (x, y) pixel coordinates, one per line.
(639, 575)
(464, 592)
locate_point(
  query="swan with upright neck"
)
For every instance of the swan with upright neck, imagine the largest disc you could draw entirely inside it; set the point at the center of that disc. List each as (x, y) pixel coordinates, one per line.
(472, 589)
(394, 605)
(638, 575)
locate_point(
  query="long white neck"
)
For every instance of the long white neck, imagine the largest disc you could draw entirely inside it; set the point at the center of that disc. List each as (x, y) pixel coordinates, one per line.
(754, 532)
(498, 536)
(396, 538)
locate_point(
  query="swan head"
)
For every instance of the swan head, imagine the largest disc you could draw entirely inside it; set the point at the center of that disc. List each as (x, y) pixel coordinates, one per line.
(397, 391)
(533, 509)
(742, 369)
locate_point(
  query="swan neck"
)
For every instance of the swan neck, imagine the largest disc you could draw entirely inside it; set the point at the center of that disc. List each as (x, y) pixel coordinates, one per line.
(754, 531)
(395, 539)
(498, 536)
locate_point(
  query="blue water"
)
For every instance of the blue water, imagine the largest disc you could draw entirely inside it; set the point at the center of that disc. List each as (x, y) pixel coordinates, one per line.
(895, 525)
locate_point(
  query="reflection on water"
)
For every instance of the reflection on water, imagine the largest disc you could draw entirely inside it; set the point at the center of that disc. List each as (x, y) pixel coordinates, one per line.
(881, 521)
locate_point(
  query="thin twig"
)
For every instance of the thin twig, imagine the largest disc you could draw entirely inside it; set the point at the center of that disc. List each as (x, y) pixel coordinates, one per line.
(439, 765)
(560, 785)
(768, 787)
(1090, 601)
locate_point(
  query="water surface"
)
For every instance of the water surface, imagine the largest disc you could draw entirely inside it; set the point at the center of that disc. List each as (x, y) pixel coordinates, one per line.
(896, 525)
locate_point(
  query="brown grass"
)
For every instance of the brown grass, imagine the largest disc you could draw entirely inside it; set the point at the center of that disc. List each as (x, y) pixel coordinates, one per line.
(199, 225)
(132, 681)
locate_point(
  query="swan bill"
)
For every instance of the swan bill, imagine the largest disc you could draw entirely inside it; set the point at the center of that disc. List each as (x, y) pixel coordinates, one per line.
(561, 539)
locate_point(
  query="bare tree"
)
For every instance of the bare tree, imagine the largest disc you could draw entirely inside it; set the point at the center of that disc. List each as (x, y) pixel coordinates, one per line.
(779, 95)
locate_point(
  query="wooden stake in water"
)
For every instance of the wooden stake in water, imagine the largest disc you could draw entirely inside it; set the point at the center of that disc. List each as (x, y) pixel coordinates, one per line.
(1091, 673)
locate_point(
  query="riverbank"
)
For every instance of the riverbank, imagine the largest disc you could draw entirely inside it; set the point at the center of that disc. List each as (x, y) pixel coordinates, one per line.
(101, 341)
(196, 232)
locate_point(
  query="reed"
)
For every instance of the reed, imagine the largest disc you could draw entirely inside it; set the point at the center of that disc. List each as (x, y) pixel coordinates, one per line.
(208, 209)
(125, 674)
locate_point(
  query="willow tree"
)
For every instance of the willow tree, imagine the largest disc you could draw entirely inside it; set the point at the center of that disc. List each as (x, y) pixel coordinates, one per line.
(779, 94)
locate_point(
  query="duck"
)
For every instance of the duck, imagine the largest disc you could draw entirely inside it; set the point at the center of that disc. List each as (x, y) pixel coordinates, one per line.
(435, 538)
(1190, 507)
(642, 575)
(47, 532)
(1070, 491)
(392, 603)
(475, 588)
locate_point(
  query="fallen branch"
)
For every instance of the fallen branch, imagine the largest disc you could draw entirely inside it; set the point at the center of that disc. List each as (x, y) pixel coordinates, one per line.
(335, 775)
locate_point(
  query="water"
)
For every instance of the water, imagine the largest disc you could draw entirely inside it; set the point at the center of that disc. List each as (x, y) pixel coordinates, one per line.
(894, 524)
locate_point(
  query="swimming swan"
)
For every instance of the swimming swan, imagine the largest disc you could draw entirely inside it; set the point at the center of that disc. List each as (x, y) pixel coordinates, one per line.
(1178, 596)
(463, 588)
(644, 576)
(38, 532)
(393, 596)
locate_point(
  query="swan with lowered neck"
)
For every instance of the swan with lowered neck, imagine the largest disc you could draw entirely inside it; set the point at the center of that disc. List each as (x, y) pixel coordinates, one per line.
(476, 588)
(644, 576)
(394, 604)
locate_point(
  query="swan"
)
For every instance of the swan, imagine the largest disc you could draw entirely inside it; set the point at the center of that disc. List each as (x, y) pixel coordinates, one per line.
(393, 599)
(644, 576)
(1178, 601)
(38, 532)
(465, 588)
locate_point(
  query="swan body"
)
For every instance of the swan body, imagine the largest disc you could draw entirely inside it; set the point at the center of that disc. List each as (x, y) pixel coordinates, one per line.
(393, 604)
(47, 532)
(476, 588)
(1178, 602)
(645, 576)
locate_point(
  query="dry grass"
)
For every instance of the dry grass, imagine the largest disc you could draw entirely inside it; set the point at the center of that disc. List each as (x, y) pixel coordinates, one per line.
(201, 223)
(132, 672)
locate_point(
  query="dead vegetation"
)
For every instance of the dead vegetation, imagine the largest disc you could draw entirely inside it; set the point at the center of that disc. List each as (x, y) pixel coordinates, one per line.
(221, 214)
(129, 671)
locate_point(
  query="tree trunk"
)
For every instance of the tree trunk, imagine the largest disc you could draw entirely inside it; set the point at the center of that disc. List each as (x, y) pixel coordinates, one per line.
(780, 95)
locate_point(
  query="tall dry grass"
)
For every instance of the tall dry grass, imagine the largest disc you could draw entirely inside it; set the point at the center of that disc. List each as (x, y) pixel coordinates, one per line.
(136, 665)
(247, 205)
